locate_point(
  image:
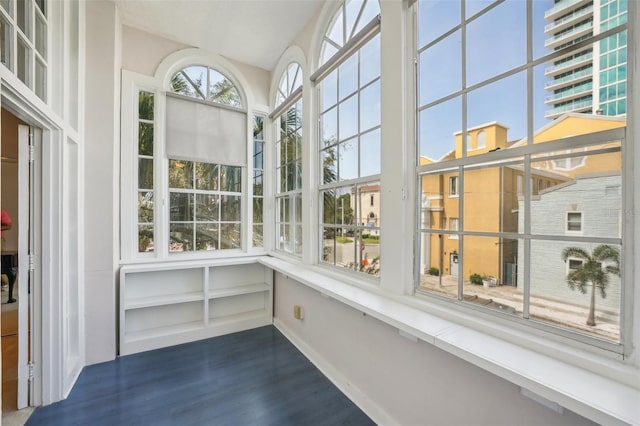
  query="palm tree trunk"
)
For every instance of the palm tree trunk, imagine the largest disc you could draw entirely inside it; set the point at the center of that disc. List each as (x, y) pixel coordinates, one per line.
(592, 307)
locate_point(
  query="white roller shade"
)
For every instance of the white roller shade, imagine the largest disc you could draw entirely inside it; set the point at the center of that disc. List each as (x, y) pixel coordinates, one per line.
(199, 131)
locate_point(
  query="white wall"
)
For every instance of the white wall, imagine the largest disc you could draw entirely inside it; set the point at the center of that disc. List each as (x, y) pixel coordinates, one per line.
(411, 383)
(103, 62)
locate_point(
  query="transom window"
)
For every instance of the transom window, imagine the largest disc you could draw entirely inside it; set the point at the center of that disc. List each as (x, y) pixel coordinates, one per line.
(24, 42)
(349, 138)
(205, 83)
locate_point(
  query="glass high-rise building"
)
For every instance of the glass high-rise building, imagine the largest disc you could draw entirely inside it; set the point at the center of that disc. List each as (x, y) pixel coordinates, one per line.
(592, 79)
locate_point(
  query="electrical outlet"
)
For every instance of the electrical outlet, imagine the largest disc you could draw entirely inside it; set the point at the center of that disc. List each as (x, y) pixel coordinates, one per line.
(297, 312)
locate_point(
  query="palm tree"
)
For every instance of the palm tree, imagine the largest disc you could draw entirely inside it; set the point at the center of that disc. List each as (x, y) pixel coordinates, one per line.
(591, 271)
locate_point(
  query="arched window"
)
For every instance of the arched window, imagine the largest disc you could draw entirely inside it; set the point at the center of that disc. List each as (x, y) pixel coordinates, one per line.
(290, 82)
(205, 83)
(287, 118)
(349, 141)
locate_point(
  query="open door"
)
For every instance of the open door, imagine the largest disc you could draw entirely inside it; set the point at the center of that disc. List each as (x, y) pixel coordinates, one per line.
(26, 262)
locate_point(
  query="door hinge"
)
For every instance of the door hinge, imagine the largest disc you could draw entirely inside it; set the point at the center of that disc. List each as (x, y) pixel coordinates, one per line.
(32, 263)
(32, 153)
(32, 368)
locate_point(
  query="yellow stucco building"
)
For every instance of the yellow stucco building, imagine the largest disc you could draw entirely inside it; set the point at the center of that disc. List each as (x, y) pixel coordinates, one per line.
(491, 191)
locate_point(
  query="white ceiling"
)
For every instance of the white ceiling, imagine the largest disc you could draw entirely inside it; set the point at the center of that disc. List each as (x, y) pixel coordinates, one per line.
(254, 32)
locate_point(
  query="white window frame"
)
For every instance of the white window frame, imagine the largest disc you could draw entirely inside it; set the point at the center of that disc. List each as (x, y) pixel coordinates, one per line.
(568, 222)
(158, 84)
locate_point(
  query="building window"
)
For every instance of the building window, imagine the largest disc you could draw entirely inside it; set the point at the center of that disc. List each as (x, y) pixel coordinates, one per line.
(371, 201)
(205, 202)
(348, 83)
(574, 222)
(453, 186)
(145, 185)
(24, 42)
(453, 226)
(481, 139)
(509, 228)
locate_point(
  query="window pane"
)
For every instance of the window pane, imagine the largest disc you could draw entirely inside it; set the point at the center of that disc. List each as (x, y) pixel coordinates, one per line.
(230, 208)
(24, 61)
(490, 274)
(180, 207)
(370, 61)
(438, 126)
(145, 173)
(22, 16)
(145, 106)
(584, 194)
(180, 174)
(207, 208)
(329, 127)
(490, 104)
(348, 159)
(369, 107)
(506, 52)
(329, 166)
(207, 236)
(439, 260)
(257, 210)
(558, 295)
(180, 237)
(230, 178)
(329, 91)
(257, 182)
(207, 176)
(370, 153)
(229, 236)
(221, 90)
(435, 18)
(145, 238)
(40, 84)
(441, 69)
(348, 77)
(348, 118)
(145, 206)
(491, 196)
(145, 139)
(258, 236)
(41, 36)
(5, 42)
(328, 207)
(328, 245)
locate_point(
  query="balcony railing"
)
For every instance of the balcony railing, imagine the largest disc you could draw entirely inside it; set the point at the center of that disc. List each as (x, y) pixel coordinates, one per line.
(568, 64)
(574, 76)
(575, 91)
(574, 33)
(573, 106)
(560, 7)
(566, 19)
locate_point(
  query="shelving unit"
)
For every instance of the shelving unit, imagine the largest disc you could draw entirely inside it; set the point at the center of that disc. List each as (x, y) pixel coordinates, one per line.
(177, 302)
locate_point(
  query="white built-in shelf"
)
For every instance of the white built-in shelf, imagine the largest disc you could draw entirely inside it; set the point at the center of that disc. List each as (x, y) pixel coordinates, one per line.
(235, 291)
(165, 299)
(152, 333)
(174, 302)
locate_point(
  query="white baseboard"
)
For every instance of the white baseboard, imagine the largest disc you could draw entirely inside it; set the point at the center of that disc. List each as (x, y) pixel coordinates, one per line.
(358, 397)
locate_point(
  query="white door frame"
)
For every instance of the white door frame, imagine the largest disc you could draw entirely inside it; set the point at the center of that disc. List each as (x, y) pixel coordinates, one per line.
(53, 375)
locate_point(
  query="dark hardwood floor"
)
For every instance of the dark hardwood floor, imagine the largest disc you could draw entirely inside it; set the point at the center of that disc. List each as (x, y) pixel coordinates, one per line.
(255, 377)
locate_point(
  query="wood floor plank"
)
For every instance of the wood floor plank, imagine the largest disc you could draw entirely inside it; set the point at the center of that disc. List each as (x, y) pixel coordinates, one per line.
(255, 377)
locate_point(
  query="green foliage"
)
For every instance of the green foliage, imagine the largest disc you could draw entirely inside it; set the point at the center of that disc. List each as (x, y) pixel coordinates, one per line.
(343, 240)
(433, 271)
(591, 271)
(477, 278)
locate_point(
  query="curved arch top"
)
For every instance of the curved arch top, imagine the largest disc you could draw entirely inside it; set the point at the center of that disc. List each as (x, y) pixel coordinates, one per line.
(181, 59)
(293, 55)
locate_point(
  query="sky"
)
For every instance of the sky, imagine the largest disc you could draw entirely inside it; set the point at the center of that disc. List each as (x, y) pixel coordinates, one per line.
(496, 42)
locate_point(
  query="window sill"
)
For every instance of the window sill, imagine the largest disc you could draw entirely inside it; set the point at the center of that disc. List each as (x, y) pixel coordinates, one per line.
(585, 391)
